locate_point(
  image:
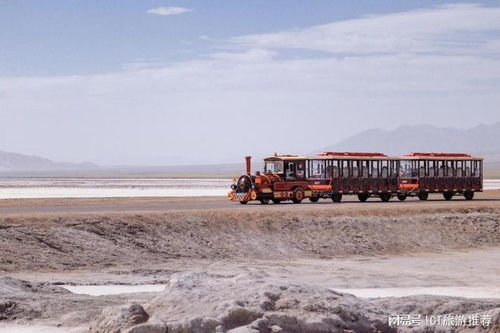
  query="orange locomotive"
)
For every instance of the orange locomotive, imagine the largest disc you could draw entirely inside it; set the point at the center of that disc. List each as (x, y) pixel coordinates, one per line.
(334, 174)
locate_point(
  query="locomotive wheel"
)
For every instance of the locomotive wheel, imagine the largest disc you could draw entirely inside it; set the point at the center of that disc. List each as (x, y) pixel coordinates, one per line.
(337, 197)
(314, 199)
(385, 197)
(447, 195)
(276, 201)
(402, 197)
(423, 195)
(468, 195)
(243, 202)
(298, 195)
(264, 201)
(363, 197)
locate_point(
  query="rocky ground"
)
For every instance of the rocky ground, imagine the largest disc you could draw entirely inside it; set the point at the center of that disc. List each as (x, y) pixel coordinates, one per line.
(274, 269)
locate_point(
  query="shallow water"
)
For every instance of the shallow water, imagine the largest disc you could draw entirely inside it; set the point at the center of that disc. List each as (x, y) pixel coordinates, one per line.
(468, 292)
(100, 290)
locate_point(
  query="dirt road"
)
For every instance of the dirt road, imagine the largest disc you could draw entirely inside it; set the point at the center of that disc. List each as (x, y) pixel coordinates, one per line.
(99, 205)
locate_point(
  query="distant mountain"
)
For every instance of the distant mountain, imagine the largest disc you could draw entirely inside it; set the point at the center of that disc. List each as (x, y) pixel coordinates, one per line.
(482, 140)
(19, 165)
(20, 162)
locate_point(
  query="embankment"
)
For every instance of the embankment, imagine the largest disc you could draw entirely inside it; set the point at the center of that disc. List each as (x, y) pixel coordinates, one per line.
(90, 241)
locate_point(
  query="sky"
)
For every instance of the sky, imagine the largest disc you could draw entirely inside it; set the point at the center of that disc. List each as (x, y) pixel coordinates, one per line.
(162, 82)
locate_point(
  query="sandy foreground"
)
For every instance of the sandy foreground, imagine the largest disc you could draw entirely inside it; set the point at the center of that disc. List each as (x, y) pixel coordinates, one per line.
(233, 268)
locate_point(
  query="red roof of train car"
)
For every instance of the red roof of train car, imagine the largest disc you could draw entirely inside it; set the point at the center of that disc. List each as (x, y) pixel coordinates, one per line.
(437, 156)
(348, 153)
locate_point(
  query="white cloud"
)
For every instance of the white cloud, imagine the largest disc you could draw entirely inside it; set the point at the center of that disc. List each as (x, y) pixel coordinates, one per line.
(452, 29)
(167, 11)
(261, 100)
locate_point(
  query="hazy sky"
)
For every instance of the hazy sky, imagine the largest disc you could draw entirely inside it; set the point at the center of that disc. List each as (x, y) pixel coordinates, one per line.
(178, 81)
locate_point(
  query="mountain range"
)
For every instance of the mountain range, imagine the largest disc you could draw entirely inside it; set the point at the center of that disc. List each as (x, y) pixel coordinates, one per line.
(20, 162)
(482, 140)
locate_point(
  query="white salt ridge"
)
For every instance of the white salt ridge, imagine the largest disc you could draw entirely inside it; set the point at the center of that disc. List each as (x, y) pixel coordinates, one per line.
(126, 187)
(108, 188)
(467, 292)
(40, 329)
(491, 184)
(455, 291)
(100, 290)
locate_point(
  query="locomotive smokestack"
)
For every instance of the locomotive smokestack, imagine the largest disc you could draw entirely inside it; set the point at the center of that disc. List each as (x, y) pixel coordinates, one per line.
(248, 160)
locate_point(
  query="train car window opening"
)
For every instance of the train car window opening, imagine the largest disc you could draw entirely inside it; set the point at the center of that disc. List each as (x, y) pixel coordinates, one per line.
(335, 169)
(355, 169)
(440, 169)
(421, 168)
(451, 168)
(385, 169)
(467, 168)
(375, 169)
(300, 170)
(273, 167)
(364, 167)
(329, 169)
(405, 169)
(345, 169)
(318, 169)
(458, 169)
(290, 170)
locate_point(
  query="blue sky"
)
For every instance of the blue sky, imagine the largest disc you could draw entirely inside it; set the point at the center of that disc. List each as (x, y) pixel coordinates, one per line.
(122, 82)
(43, 37)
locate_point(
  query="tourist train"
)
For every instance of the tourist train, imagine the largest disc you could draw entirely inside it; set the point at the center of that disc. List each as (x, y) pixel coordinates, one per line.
(332, 175)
